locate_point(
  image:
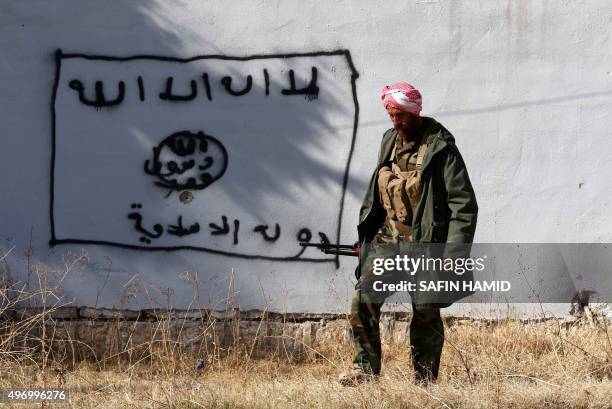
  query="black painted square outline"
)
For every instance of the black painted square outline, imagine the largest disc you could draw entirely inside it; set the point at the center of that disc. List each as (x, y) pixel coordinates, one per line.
(59, 56)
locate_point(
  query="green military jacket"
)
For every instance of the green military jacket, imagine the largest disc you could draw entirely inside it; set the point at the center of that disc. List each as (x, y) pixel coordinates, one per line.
(447, 211)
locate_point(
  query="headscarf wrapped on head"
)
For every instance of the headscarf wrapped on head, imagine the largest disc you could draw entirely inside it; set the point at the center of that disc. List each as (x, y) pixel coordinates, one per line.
(402, 96)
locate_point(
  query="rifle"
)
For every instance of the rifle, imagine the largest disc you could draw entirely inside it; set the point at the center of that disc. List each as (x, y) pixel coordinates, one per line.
(339, 249)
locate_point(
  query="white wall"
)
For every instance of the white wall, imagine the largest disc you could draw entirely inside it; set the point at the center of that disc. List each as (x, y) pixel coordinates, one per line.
(525, 87)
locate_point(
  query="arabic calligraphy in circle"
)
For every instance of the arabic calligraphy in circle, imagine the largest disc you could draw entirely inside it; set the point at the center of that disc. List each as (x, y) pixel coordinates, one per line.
(187, 161)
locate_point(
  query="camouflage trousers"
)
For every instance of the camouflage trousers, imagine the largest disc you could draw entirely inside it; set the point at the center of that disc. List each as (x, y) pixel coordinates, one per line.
(426, 337)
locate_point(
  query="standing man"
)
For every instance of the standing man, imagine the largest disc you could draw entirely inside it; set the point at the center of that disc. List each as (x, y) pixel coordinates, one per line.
(419, 192)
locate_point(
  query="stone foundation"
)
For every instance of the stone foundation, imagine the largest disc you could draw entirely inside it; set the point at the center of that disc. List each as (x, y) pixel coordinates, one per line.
(98, 333)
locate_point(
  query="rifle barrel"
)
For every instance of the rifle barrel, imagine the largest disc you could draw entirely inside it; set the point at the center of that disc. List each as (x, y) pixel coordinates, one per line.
(341, 253)
(328, 245)
(309, 244)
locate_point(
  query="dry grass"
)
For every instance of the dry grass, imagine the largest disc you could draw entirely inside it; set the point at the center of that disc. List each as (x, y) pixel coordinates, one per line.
(506, 364)
(511, 365)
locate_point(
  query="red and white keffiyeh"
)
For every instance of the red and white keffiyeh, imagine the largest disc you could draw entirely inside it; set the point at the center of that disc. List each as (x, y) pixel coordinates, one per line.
(402, 96)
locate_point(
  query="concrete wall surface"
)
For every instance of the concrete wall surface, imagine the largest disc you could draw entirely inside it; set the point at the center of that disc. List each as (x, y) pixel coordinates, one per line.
(172, 154)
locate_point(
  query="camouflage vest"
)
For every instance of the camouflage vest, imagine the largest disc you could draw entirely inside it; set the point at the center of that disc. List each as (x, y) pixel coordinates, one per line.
(399, 188)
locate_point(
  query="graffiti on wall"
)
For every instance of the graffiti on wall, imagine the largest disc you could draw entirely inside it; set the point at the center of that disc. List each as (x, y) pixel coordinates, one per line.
(239, 156)
(187, 161)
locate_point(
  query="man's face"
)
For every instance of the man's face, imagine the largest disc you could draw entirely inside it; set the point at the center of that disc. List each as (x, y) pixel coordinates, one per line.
(403, 122)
